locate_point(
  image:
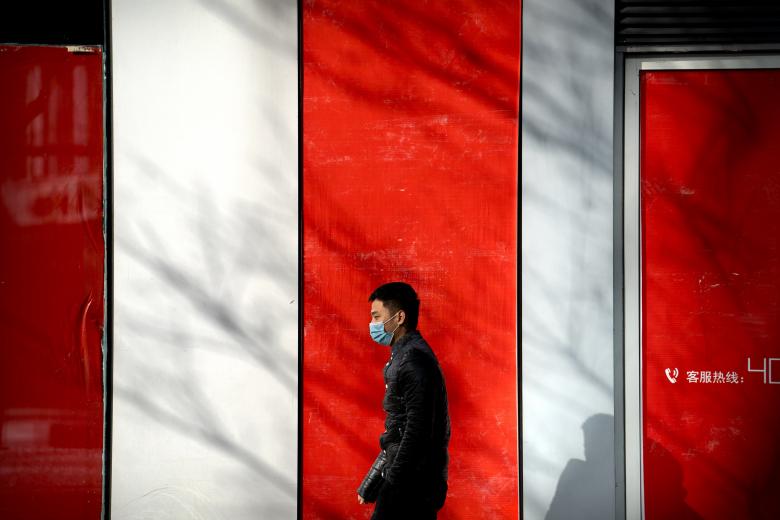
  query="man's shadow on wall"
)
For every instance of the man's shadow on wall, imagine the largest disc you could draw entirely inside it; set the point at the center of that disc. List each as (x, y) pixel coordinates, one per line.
(586, 489)
(664, 491)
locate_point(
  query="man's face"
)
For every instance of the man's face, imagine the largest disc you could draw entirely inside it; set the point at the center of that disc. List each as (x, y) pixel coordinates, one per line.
(380, 314)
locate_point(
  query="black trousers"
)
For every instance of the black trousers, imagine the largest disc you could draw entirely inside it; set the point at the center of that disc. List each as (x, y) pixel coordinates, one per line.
(404, 503)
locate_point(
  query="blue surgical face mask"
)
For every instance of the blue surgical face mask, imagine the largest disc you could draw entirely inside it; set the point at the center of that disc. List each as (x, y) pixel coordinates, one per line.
(378, 333)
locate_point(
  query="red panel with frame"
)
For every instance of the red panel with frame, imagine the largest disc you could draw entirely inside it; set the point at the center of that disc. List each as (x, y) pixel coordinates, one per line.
(710, 185)
(51, 282)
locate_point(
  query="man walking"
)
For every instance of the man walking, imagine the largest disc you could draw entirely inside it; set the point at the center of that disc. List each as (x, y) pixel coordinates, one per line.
(417, 423)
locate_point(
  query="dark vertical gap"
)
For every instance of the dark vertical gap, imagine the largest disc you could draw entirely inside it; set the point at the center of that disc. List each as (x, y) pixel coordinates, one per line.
(108, 222)
(299, 487)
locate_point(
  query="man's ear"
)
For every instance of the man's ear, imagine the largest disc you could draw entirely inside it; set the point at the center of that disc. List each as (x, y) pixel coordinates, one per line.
(401, 318)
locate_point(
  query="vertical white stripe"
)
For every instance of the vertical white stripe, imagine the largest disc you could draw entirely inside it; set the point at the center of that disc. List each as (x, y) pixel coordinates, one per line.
(566, 251)
(205, 293)
(633, 311)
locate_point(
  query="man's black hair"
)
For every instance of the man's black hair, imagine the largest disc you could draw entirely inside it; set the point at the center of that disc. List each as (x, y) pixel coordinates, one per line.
(399, 296)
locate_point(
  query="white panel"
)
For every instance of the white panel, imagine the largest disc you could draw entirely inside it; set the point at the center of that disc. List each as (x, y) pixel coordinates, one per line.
(205, 353)
(567, 257)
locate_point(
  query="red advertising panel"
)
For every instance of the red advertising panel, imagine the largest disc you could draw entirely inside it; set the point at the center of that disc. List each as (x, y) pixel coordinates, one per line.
(51, 282)
(410, 173)
(710, 187)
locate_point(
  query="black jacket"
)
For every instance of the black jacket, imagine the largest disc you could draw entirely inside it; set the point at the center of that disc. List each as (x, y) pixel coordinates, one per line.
(417, 426)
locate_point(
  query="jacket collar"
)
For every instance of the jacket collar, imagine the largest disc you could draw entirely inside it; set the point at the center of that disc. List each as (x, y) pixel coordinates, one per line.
(409, 336)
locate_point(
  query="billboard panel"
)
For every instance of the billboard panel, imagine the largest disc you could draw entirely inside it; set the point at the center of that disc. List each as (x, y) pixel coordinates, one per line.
(52, 258)
(710, 217)
(410, 173)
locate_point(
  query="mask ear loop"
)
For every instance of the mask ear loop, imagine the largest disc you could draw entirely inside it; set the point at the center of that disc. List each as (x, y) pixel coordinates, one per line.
(390, 318)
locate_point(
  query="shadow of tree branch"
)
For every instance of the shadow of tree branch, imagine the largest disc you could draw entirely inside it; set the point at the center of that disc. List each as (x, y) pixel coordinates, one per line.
(210, 435)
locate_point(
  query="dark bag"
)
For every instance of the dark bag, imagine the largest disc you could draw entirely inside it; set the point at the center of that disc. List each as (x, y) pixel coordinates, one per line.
(369, 488)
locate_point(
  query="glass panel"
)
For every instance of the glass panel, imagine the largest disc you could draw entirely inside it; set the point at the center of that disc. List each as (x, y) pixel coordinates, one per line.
(710, 188)
(51, 282)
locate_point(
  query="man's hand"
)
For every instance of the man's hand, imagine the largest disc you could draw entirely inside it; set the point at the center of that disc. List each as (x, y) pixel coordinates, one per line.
(360, 500)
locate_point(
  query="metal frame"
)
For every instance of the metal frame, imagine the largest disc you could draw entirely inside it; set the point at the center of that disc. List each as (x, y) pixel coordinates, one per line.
(632, 254)
(617, 289)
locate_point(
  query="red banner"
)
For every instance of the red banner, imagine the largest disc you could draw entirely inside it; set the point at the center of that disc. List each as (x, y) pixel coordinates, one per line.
(410, 173)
